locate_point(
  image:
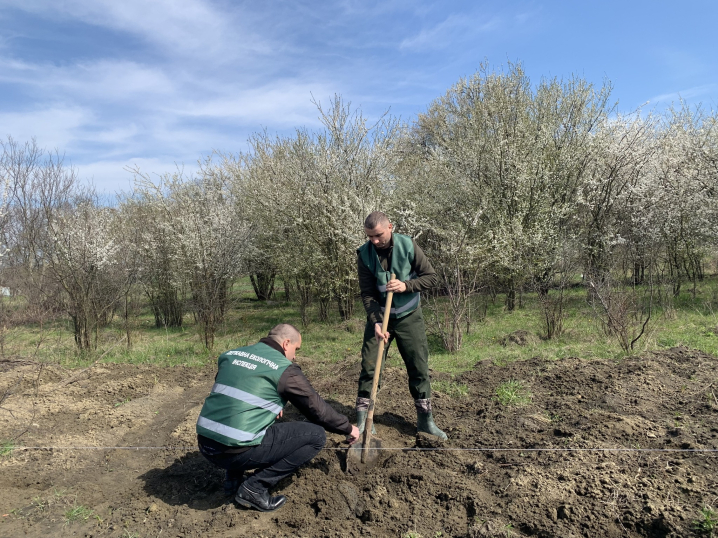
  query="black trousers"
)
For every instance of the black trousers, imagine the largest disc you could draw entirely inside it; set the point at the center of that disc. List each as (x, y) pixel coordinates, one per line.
(284, 448)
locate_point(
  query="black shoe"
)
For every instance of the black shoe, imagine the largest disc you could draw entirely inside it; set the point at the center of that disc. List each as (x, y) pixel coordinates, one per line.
(259, 501)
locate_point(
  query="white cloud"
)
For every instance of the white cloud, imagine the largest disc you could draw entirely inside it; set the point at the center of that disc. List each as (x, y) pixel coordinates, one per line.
(53, 128)
(454, 28)
(365, 8)
(284, 103)
(114, 176)
(128, 108)
(688, 94)
(102, 80)
(117, 134)
(184, 27)
(170, 98)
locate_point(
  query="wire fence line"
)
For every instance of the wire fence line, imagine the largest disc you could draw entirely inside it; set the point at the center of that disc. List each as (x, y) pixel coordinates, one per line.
(404, 449)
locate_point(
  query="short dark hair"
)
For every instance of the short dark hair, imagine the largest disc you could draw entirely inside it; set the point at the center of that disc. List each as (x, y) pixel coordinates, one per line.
(284, 331)
(374, 219)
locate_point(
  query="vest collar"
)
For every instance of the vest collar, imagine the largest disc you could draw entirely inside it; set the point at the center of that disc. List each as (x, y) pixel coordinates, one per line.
(271, 343)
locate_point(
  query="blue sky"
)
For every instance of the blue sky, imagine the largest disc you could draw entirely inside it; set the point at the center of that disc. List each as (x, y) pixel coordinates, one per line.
(158, 83)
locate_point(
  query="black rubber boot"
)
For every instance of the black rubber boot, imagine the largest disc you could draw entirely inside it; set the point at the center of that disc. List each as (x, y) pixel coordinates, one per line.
(425, 424)
(259, 501)
(361, 421)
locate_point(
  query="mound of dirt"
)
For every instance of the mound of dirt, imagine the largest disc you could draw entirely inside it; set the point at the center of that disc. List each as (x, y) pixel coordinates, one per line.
(603, 448)
(519, 338)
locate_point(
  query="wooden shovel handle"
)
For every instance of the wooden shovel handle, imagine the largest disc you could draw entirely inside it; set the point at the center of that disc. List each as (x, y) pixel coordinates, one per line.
(379, 359)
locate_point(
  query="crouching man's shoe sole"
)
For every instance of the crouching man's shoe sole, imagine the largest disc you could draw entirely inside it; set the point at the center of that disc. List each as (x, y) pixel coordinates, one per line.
(259, 501)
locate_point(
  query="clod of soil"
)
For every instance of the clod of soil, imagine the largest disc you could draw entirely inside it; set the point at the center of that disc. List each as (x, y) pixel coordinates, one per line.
(519, 338)
(491, 478)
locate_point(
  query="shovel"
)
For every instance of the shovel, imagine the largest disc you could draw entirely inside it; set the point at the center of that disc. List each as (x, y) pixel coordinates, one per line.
(365, 452)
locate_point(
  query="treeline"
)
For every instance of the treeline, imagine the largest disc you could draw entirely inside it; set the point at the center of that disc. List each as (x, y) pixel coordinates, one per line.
(507, 186)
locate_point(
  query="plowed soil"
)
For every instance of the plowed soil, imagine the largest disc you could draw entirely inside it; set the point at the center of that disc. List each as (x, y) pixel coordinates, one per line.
(657, 413)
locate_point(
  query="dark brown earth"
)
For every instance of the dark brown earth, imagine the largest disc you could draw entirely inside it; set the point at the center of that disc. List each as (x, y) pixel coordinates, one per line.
(505, 487)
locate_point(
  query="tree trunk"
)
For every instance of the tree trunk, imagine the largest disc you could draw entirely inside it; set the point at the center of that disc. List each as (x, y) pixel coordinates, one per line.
(511, 296)
(639, 269)
(324, 302)
(263, 284)
(305, 293)
(287, 290)
(211, 297)
(346, 307)
(127, 321)
(167, 308)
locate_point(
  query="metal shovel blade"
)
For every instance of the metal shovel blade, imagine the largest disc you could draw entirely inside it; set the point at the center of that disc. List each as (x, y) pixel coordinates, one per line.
(360, 459)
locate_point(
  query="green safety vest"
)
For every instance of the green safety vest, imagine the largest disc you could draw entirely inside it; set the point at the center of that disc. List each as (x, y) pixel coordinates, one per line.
(244, 400)
(402, 255)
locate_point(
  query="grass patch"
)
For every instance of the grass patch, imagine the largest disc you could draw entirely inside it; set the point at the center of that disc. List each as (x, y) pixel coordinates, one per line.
(707, 523)
(450, 388)
(512, 393)
(77, 513)
(689, 320)
(6, 448)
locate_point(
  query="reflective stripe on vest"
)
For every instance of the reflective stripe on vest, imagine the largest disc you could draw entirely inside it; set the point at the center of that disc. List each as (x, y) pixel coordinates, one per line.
(228, 431)
(244, 400)
(246, 397)
(408, 306)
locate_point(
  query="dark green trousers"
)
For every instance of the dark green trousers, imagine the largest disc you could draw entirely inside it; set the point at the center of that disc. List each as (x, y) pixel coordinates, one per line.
(410, 335)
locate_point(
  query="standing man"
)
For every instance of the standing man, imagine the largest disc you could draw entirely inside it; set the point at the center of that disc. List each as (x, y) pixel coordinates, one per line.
(236, 429)
(386, 253)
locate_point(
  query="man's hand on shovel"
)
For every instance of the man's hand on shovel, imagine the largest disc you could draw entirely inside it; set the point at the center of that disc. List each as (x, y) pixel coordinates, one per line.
(353, 437)
(396, 286)
(380, 335)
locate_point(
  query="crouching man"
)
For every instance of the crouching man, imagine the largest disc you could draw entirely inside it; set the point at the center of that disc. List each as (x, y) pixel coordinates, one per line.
(236, 428)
